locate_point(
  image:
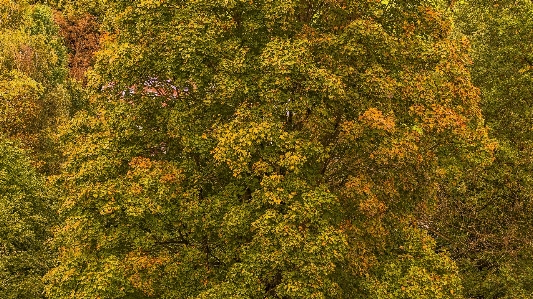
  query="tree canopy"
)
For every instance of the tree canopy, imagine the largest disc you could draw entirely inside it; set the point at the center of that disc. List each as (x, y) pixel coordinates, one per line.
(273, 148)
(25, 217)
(33, 94)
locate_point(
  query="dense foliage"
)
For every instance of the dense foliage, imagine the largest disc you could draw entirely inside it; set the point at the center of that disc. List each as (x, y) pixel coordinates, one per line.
(33, 93)
(489, 238)
(266, 149)
(25, 217)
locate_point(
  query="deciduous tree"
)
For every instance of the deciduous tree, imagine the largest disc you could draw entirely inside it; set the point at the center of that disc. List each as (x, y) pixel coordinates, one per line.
(25, 217)
(278, 149)
(33, 96)
(484, 223)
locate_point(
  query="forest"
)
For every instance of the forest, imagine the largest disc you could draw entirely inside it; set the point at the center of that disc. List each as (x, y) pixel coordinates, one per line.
(217, 149)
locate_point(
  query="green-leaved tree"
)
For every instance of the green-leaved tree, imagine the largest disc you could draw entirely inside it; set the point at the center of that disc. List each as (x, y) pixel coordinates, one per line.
(33, 94)
(267, 149)
(486, 220)
(25, 215)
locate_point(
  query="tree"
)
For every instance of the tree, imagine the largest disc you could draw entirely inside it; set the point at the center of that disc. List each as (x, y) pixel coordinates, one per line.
(266, 149)
(33, 95)
(485, 219)
(25, 217)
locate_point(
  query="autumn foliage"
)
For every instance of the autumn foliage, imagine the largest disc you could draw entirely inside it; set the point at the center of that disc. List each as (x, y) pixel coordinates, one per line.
(81, 35)
(264, 149)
